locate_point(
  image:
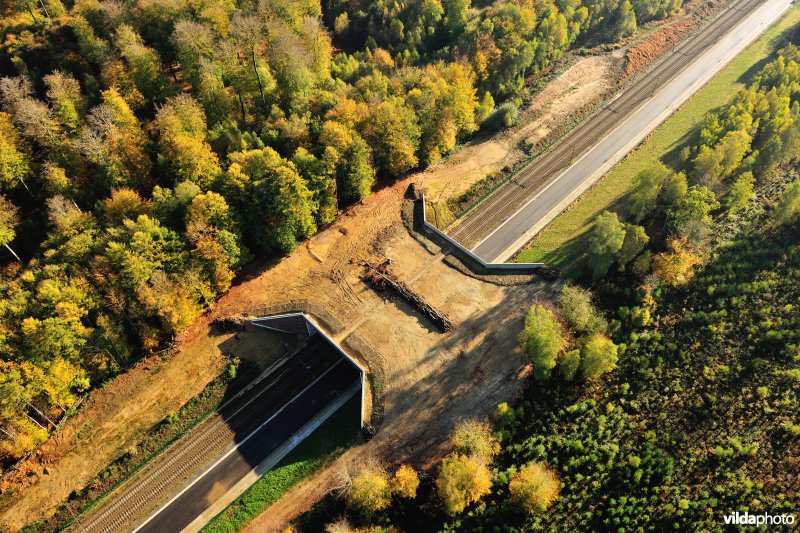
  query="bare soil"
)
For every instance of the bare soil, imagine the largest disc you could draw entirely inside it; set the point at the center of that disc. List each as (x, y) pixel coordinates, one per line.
(587, 80)
(644, 52)
(432, 380)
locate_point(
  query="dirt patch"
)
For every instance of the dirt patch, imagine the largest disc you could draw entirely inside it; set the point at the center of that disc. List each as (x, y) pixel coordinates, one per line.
(587, 80)
(431, 379)
(644, 52)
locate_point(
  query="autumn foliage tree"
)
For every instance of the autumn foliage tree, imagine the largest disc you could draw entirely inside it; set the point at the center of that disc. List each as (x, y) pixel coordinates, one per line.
(405, 482)
(370, 490)
(535, 487)
(474, 438)
(462, 480)
(9, 219)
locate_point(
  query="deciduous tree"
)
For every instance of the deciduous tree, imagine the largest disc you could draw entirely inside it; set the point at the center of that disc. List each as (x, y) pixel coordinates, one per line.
(14, 162)
(461, 481)
(581, 315)
(605, 240)
(370, 491)
(788, 208)
(646, 187)
(9, 219)
(535, 487)
(278, 207)
(598, 356)
(635, 240)
(405, 482)
(474, 438)
(541, 340)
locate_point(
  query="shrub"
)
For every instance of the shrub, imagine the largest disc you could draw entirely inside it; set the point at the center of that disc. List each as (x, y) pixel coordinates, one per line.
(504, 116)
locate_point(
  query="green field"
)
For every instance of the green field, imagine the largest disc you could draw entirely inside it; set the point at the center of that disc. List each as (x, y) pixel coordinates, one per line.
(325, 444)
(561, 244)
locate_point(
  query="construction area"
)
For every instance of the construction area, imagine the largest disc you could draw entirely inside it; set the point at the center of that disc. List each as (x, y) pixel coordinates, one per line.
(367, 280)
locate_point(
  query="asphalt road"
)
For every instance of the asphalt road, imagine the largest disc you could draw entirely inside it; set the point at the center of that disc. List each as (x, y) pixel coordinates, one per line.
(214, 482)
(202, 445)
(508, 219)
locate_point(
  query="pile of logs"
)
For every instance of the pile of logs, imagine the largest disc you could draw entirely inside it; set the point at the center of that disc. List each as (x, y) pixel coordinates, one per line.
(381, 278)
(231, 323)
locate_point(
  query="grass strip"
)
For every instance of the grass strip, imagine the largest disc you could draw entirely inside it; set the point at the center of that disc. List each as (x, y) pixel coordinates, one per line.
(562, 243)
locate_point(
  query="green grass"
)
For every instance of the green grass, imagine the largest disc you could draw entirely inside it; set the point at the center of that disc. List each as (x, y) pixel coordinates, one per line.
(562, 242)
(329, 441)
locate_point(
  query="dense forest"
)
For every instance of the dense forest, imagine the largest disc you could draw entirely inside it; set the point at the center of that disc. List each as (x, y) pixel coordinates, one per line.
(666, 398)
(149, 149)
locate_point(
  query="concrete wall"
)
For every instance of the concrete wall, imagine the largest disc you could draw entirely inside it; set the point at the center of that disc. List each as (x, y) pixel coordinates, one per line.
(278, 322)
(467, 256)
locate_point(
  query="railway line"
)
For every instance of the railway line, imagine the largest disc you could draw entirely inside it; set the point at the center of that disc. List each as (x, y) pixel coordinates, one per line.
(134, 499)
(490, 214)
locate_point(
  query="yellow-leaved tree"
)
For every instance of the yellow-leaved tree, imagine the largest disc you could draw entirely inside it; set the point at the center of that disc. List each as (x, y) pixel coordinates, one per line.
(535, 487)
(405, 482)
(369, 491)
(462, 480)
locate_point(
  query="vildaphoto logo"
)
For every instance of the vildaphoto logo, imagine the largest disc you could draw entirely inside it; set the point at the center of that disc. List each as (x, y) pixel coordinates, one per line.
(763, 519)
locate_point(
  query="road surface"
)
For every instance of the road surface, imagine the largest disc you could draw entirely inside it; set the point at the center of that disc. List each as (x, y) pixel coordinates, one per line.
(508, 219)
(296, 379)
(202, 492)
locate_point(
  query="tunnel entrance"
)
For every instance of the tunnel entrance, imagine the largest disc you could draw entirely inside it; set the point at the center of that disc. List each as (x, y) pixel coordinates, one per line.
(279, 409)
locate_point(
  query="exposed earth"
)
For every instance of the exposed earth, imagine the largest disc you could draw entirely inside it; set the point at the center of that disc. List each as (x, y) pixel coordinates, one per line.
(432, 380)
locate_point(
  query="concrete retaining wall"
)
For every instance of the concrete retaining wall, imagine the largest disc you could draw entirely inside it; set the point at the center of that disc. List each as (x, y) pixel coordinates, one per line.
(467, 256)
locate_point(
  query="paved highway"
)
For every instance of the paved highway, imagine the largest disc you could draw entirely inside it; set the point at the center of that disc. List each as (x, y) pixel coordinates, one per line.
(508, 219)
(314, 360)
(202, 492)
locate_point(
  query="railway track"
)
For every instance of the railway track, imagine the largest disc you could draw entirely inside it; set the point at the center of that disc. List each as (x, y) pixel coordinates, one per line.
(160, 478)
(506, 199)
